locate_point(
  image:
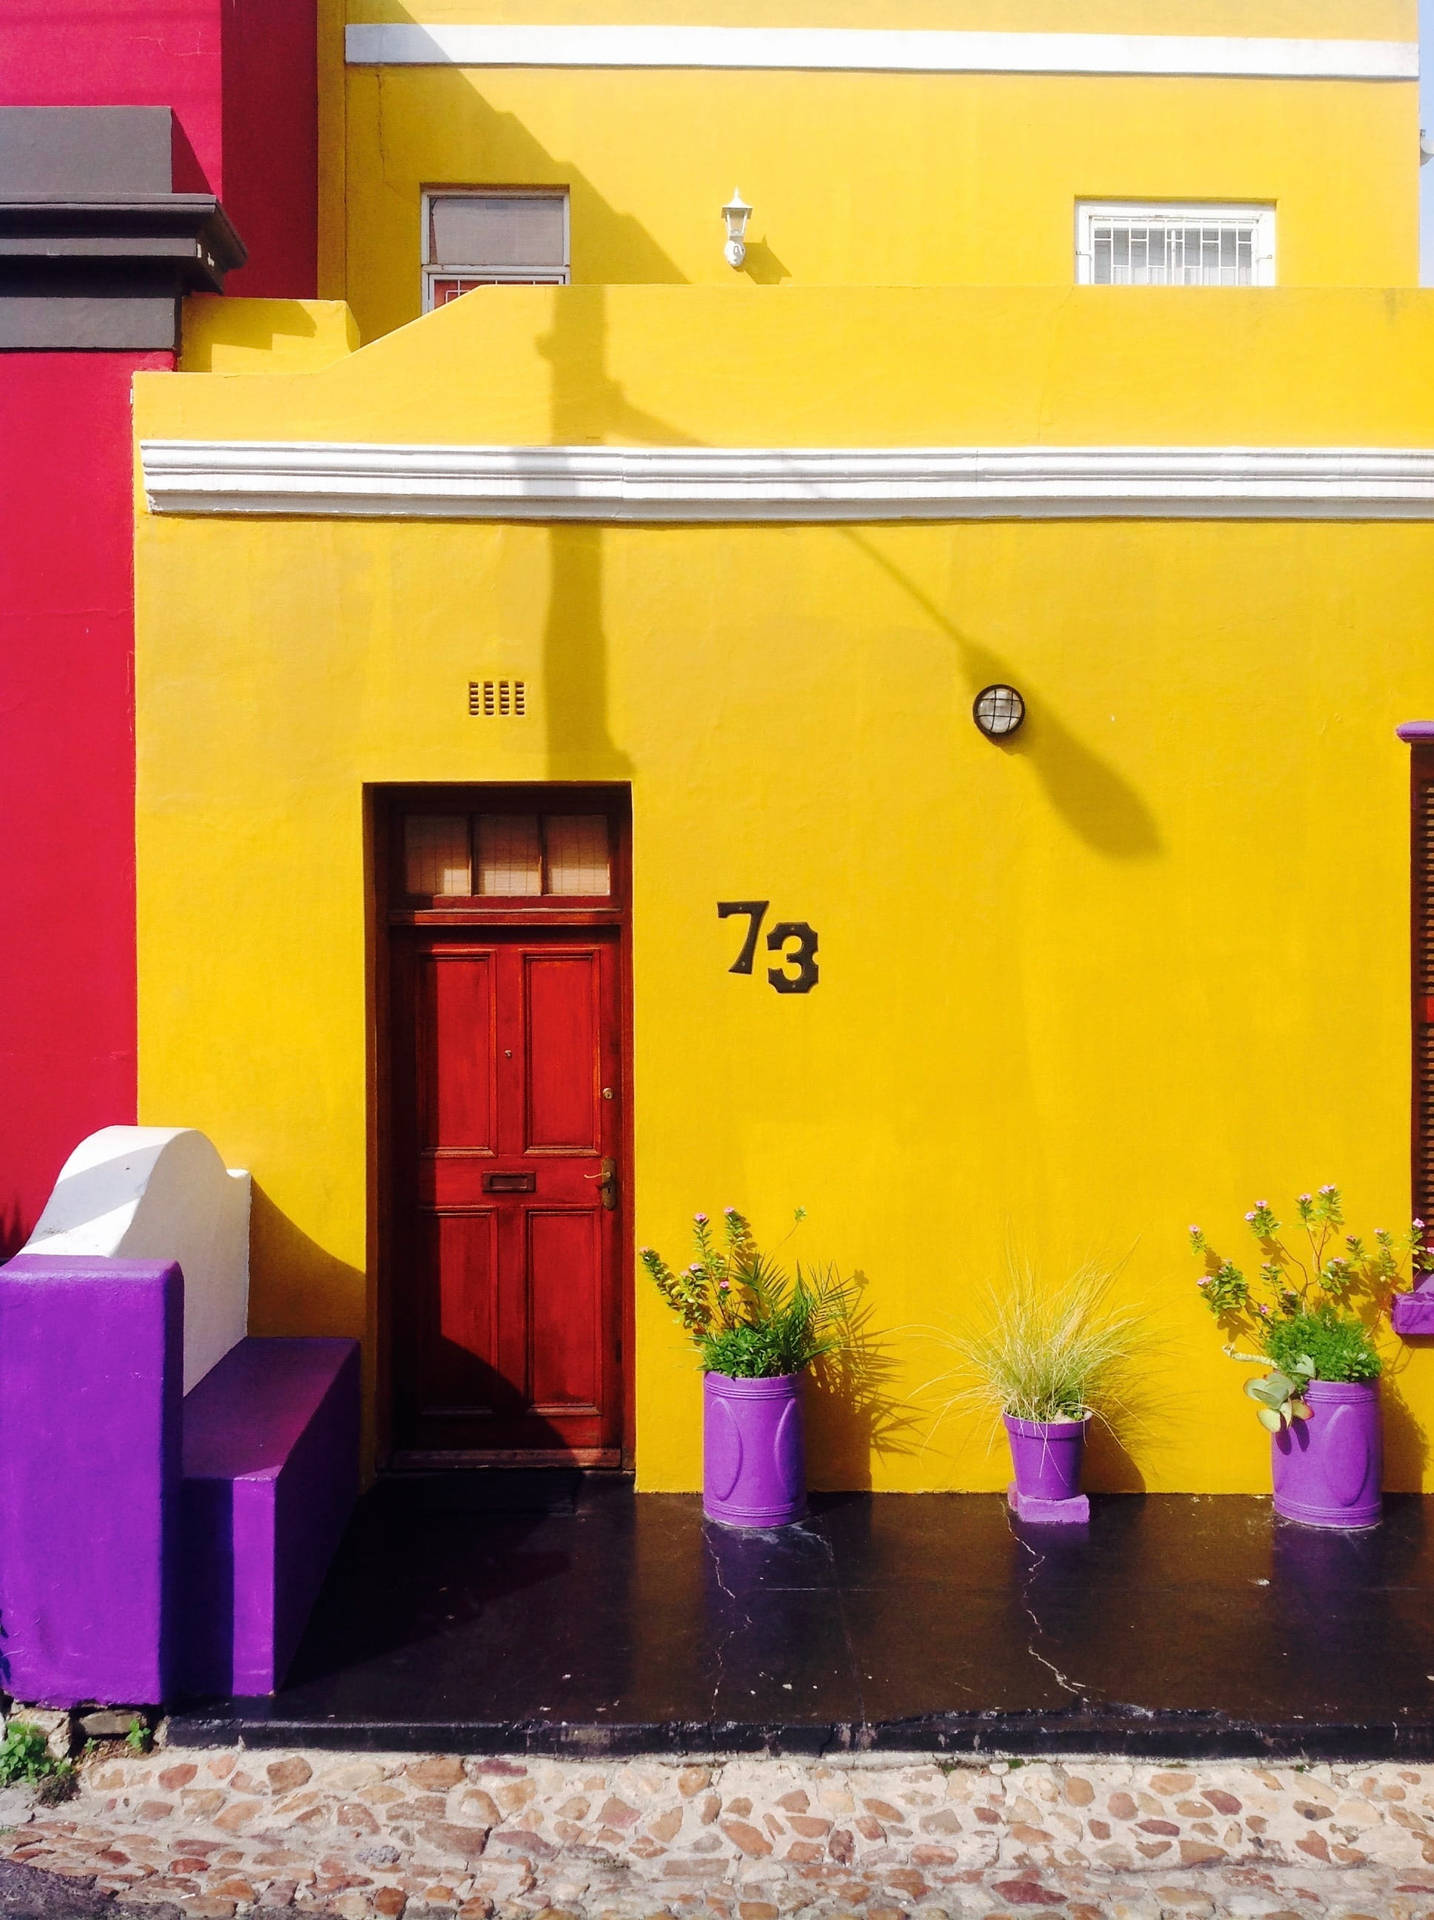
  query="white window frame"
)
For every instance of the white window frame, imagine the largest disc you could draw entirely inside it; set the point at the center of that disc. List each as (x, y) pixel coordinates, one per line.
(1166, 213)
(488, 275)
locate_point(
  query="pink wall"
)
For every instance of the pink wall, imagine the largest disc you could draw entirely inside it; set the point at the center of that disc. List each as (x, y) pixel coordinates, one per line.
(241, 76)
(67, 967)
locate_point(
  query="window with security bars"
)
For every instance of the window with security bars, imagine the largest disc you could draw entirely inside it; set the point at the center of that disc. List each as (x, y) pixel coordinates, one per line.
(460, 856)
(1422, 863)
(1165, 246)
(484, 237)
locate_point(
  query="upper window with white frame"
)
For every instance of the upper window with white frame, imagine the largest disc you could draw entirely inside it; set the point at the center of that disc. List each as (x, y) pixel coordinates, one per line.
(1125, 244)
(482, 236)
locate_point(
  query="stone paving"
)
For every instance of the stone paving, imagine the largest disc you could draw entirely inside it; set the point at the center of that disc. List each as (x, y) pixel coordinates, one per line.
(219, 1833)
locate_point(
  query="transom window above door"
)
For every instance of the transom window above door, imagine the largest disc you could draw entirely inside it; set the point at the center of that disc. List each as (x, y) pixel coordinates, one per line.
(460, 856)
(1158, 245)
(476, 237)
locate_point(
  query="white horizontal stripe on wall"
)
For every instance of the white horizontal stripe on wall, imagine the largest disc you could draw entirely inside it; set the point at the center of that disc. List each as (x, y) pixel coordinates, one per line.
(737, 485)
(879, 50)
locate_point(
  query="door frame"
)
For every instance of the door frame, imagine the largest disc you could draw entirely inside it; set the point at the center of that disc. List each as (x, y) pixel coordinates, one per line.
(388, 914)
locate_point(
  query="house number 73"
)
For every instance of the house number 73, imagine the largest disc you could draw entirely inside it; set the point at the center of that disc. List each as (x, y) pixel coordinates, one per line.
(794, 940)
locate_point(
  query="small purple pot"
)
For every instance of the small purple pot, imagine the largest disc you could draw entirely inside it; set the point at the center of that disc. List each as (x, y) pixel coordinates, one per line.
(754, 1461)
(1328, 1469)
(1047, 1455)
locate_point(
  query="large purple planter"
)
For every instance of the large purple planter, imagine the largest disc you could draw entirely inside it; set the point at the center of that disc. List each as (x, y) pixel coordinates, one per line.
(754, 1457)
(1047, 1456)
(1328, 1469)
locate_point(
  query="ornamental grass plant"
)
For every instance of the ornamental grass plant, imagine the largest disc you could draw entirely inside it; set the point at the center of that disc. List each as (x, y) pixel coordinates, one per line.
(1050, 1351)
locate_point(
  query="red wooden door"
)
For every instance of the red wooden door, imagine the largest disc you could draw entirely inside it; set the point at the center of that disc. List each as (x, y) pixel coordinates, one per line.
(508, 1062)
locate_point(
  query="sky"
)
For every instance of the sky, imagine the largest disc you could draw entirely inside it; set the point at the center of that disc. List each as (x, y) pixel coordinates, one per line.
(1426, 35)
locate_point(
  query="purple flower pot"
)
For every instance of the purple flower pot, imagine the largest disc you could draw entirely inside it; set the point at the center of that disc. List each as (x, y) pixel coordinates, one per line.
(1047, 1455)
(754, 1461)
(1328, 1469)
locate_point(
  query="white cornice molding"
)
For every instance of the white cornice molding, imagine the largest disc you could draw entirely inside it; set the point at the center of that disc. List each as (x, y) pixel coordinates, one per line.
(736, 485)
(878, 50)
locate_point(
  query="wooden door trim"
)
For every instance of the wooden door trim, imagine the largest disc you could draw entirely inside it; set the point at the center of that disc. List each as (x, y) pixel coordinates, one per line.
(388, 921)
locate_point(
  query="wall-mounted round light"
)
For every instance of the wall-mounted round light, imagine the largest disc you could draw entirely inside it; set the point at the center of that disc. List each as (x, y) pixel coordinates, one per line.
(736, 213)
(998, 711)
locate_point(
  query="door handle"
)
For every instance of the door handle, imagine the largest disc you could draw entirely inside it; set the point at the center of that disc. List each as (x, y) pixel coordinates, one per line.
(607, 1183)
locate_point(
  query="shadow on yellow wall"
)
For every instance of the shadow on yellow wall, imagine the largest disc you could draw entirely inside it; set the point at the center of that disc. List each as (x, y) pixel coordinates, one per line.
(1091, 797)
(459, 138)
(296, 1286)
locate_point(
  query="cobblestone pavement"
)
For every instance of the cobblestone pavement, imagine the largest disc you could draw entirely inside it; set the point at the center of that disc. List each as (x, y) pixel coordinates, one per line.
(373, 1837)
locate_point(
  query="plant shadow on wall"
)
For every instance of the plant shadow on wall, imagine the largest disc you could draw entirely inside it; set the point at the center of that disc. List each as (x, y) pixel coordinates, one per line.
(854, 1413)
(1090, 796)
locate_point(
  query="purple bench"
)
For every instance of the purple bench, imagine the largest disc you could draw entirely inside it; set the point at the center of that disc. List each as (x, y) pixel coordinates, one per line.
(271, 1440)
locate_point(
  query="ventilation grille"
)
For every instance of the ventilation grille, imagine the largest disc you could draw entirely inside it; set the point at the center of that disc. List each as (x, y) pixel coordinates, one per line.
(497, 699)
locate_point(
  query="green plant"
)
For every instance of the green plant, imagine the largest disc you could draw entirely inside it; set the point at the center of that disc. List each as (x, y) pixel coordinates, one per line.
(140, 1738)
(1312, 1308)
(1050, 1352)
(746, 1315)
(26, 1760)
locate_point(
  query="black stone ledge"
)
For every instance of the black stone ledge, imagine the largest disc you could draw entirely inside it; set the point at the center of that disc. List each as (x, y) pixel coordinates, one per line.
(108, 272)
(1132, 1733)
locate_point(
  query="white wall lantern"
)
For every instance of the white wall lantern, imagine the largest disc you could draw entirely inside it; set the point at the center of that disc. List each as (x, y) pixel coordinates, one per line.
(736, 213)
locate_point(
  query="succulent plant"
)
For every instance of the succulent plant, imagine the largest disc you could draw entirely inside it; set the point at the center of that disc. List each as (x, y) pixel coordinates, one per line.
(1279, 1397)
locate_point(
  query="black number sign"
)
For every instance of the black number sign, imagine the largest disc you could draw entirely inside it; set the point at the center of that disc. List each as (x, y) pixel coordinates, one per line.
(757, 910)
(802, 957)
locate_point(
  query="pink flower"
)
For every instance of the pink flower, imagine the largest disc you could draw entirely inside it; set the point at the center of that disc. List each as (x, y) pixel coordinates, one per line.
(1203, 1283)
(1419, 1226)
(1250, 1215)
(700, 1219)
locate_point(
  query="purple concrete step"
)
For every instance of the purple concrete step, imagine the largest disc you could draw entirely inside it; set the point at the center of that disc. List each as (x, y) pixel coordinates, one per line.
(270, 1479)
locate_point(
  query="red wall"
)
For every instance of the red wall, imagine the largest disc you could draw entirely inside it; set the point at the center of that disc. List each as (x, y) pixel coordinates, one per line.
(271, 144)
(67, 967)
(242, 78)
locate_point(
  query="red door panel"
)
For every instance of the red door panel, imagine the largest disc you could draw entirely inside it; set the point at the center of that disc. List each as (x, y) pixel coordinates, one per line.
(564, 1054)
(459, 1330)
(566, 1376)
(507, 1076)
(454, 1051)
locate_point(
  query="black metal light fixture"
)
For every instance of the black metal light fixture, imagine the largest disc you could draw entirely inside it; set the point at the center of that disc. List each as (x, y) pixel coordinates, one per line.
(998, 711)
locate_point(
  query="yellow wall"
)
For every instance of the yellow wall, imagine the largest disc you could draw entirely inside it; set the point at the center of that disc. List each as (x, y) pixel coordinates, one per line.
(1147, 963)
(263, 336)
(876, 179)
